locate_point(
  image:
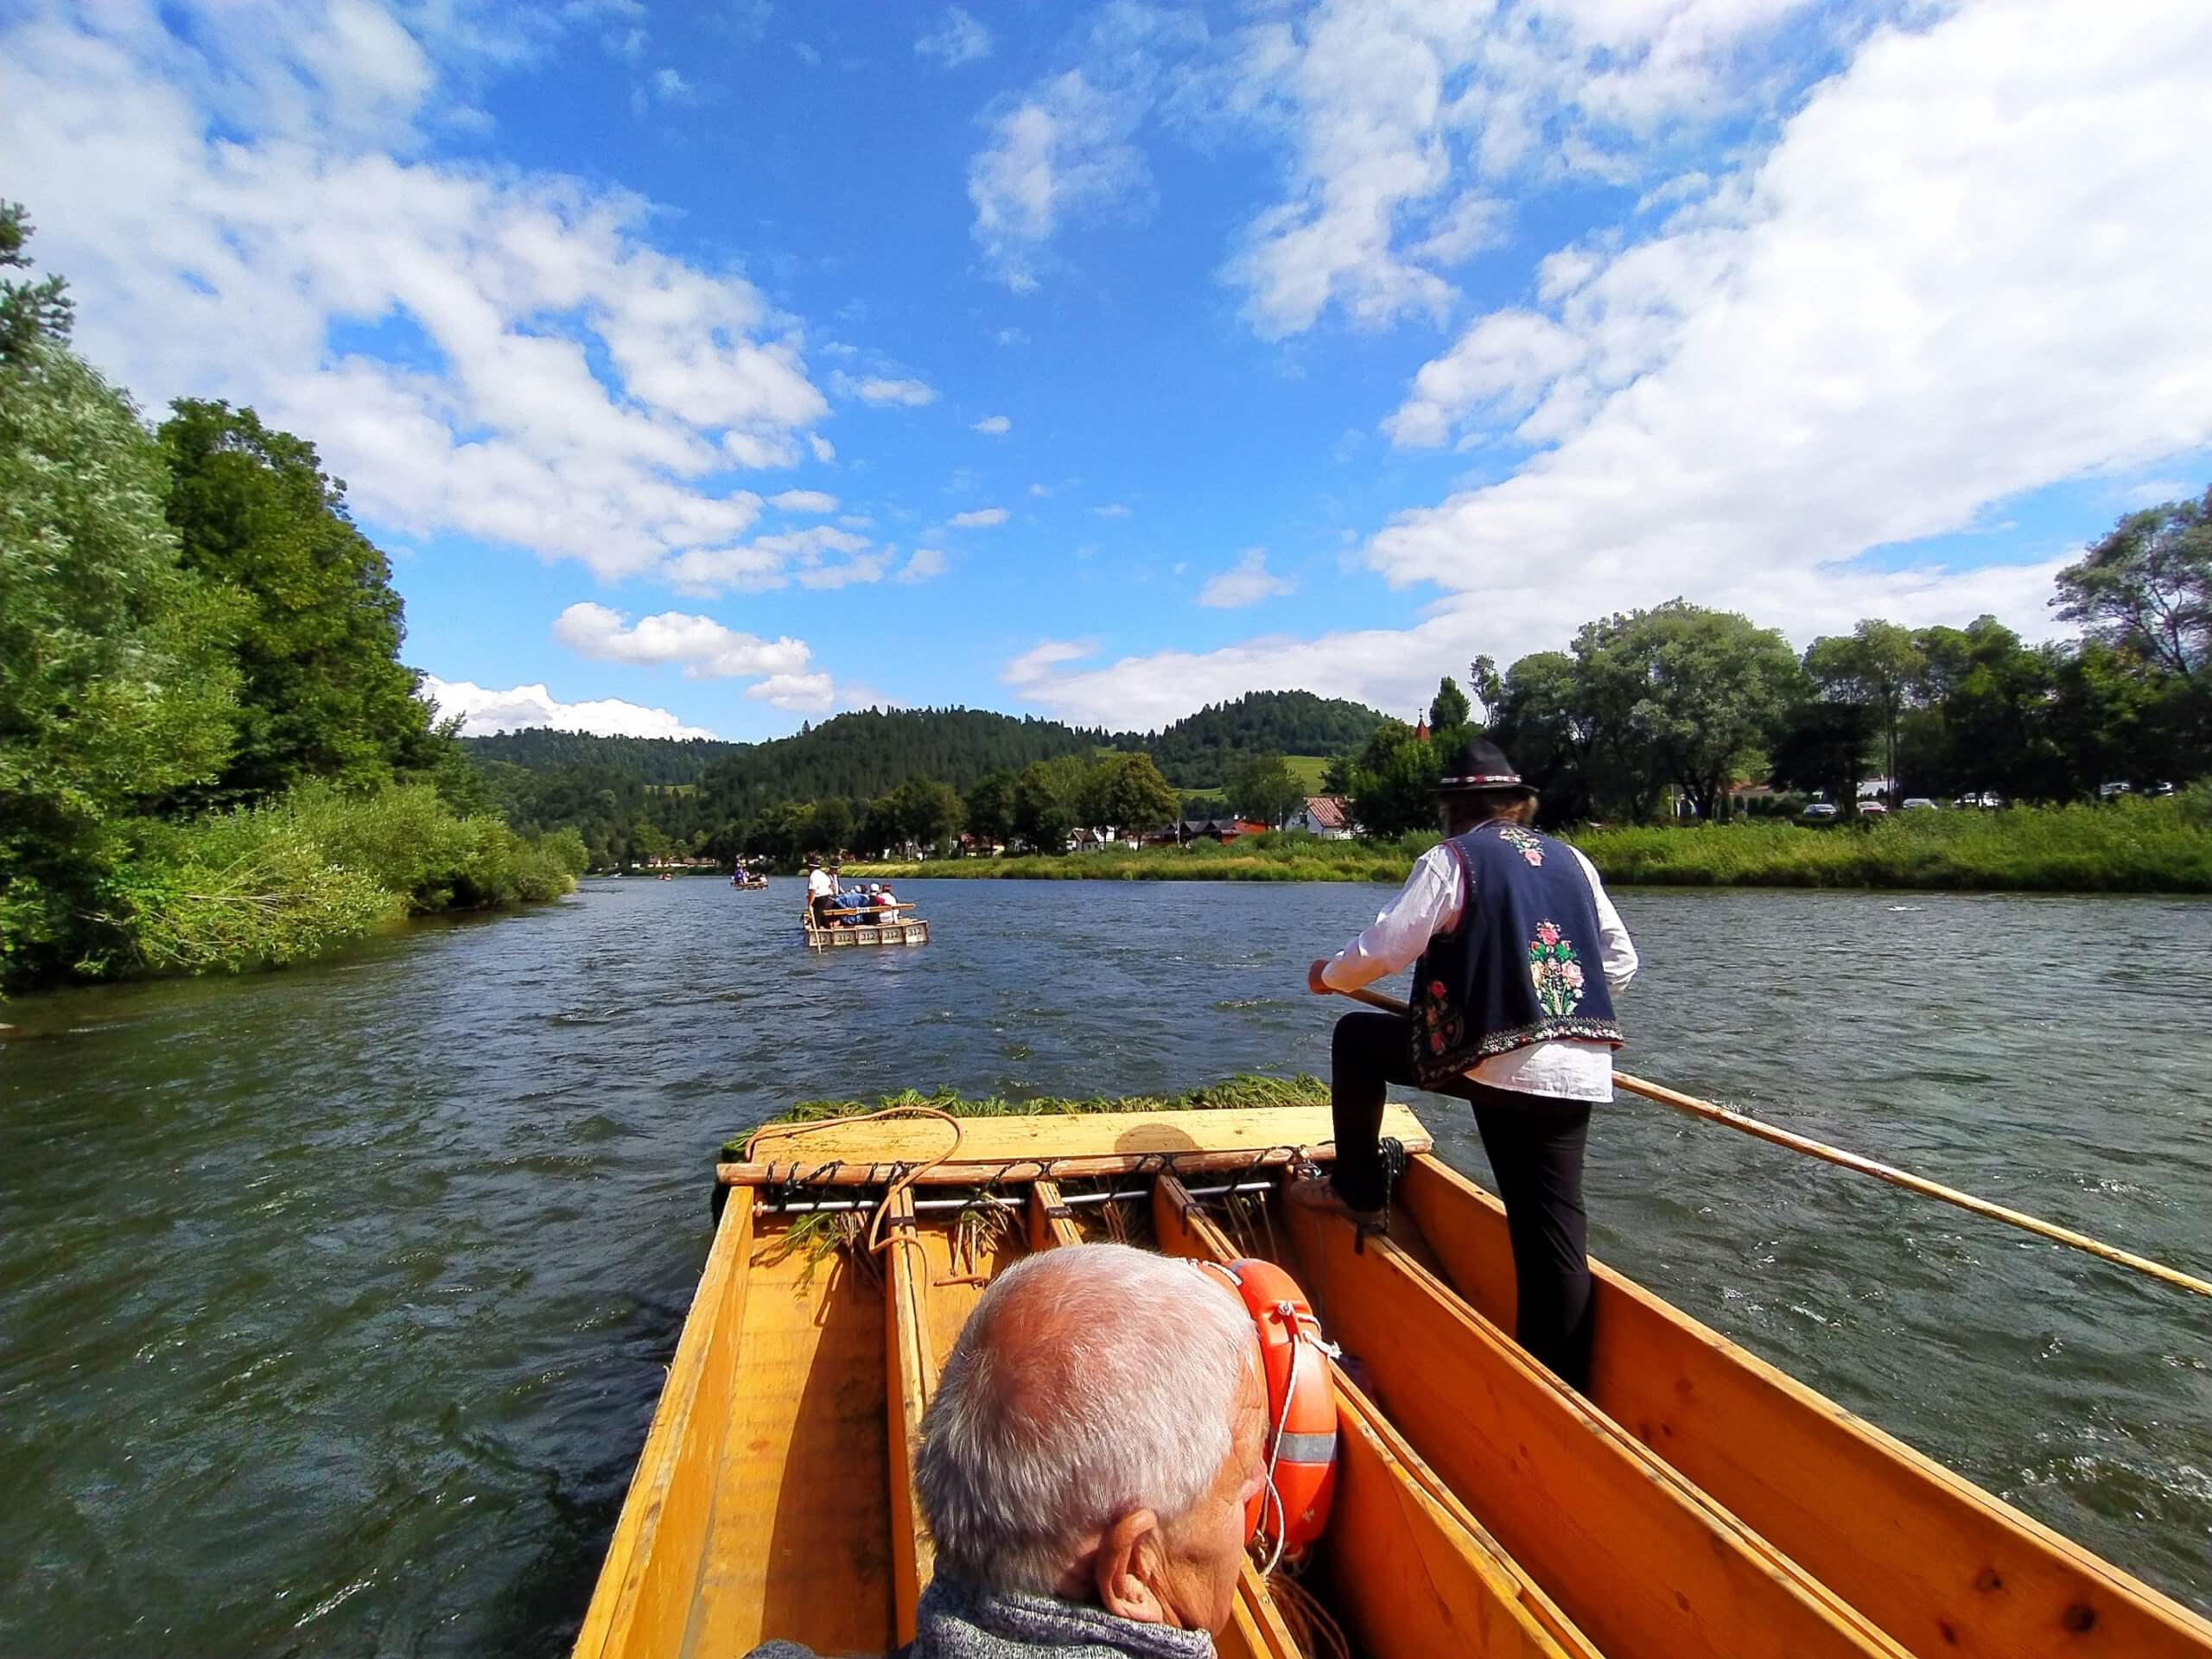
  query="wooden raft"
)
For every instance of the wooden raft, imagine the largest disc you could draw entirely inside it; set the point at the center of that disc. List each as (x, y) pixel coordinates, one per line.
(1696, 1503)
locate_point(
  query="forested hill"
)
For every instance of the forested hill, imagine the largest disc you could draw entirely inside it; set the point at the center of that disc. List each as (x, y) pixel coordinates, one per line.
(647, 760)
(862, 754)
(1201, 750)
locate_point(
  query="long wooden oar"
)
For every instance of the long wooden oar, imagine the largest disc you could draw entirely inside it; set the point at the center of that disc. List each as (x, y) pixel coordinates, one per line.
(1894, 1176)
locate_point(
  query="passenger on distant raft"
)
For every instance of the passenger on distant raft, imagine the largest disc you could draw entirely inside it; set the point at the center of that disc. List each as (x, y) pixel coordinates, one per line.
(1507, 1013)
(1085, 1464)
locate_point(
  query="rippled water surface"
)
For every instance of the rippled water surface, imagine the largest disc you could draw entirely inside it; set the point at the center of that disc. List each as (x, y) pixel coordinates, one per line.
(333, 1303)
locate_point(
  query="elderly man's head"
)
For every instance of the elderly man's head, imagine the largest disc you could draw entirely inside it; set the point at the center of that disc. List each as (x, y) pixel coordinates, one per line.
(1095, 1436)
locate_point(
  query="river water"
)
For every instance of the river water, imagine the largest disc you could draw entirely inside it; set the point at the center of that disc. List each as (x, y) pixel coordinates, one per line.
(333, 1303)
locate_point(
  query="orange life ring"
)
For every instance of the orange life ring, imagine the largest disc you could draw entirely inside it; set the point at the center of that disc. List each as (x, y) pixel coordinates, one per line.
(1301, 1444)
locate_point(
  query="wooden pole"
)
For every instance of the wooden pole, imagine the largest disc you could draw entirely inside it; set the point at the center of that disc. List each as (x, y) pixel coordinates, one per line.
(1881, 1171)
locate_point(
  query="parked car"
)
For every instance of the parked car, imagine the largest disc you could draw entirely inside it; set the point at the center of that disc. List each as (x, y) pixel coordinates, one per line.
(1872, 810)
(1918, 804)
(1821, 810)
(1983, 800)
(2110, 792)
(2159, 792)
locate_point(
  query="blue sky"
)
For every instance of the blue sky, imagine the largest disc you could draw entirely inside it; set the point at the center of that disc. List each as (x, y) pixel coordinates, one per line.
(713, 367)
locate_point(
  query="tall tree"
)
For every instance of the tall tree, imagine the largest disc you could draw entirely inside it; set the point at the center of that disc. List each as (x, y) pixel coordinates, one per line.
(1265, 790)
(1450, 711)
(1702, 691)
(116, 686)
(322, 693)
(989, 806)
(30, 312)
(1125, 792)
(1874, 667)
(1390, 781)
(2147, 587)
(1046, 796)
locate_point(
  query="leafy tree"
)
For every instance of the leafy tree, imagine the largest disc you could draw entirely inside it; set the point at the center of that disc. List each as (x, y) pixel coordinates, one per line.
(1046, 797)
(1822, 747)
(1874, 667)
(1200, 751)
(829, 829)
(322, 693)
(1537, 717)
(1125, 792)
(989, 806)
(1391, 782)
(1700, 692)
(30, 312)
(116, 686)
(1449, 713)
(2147, 587)
(1265, 789)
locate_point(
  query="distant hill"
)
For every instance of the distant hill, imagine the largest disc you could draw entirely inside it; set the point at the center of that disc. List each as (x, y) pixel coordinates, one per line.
(1199, 751)
(864, 753)
(646, 759)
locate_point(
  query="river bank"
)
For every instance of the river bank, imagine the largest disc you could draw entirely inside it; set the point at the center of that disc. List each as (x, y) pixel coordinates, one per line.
(2128, 847)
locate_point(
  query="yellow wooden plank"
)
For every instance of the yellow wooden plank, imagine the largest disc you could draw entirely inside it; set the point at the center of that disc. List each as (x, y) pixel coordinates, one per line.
(1033, 1144)
(1643, 1562)
(912, 1380)
(801, 1542)
(1944, 1566)
(649, 1583)
(1413, 1573)
(1050, 1223)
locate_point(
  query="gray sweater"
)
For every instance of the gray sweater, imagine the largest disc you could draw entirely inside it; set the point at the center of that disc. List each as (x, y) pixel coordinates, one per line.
(955, 1621)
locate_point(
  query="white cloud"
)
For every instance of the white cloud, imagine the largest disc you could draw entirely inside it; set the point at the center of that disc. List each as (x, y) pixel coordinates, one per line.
(485, 712)
(706, 649)
(1063, 148)
(882, 389)
(818, 557)
(824, 449)
(996, 426)
(802, 694)
(223, 192)
(1040, 490)
(1112, 510)
(957, 39)
(668, 86)
(1970, 266)
(809, 55)
(924, 563)
(1033, 665)
(981, 518)
(804, 501)
(1246, 582)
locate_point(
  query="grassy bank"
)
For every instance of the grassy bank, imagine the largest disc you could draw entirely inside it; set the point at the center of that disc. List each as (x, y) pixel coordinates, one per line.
(2128, 847)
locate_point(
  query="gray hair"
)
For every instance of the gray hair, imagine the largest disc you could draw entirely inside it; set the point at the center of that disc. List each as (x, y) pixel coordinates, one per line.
(1089, 1380)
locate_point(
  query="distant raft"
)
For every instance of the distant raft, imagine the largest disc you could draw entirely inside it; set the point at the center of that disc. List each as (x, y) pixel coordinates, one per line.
(860, 925)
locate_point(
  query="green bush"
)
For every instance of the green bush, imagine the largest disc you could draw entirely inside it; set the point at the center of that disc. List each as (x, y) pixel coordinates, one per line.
(311, 870)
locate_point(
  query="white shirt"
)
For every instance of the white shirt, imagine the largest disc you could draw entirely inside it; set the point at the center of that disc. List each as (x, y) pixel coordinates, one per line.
(819, 882)
(1430, 903)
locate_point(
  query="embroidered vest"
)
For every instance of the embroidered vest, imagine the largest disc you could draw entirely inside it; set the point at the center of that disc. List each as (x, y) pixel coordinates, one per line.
(1523, 965)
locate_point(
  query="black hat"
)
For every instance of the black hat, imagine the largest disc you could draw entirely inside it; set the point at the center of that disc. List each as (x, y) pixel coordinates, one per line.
(1480, 764)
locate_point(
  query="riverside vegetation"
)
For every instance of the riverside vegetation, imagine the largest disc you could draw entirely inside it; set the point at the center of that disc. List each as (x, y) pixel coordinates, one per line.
(2128, 846)
(211, 756)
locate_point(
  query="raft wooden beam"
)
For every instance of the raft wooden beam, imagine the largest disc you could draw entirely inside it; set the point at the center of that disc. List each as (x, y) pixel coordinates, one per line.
(1051, 1146)
(1639, 1558)
(912, 1379)
(651, 1581)
(1942, 1565)
(1429, 1580)
(1256, 1628)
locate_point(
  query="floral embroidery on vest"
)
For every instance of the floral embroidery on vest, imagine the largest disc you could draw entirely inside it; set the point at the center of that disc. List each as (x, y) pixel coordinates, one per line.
(1554, 971)
(1441, 1027)
(1524, 841)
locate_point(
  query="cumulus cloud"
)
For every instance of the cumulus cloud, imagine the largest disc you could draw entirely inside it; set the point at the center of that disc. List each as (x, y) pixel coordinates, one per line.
(1033, 665)
(706, 649)
(883, 388)
(957, 39)
(981, 518)
(802, 694)
(821, 556)
(1112, 510)
(804, 501)
(1246, 582)
(1969, 266)
(922, 564)
(485, 712)
(996, 426)
(224, 186)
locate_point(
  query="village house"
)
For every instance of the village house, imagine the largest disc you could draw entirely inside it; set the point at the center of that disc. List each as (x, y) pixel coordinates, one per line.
(1326, 816)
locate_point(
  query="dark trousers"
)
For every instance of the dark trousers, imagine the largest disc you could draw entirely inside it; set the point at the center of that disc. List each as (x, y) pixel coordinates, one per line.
(1536, 1144)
